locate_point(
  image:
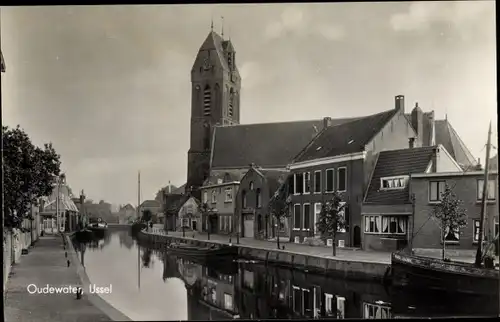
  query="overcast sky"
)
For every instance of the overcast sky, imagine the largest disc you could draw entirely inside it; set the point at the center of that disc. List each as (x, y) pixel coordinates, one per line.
(110, 85)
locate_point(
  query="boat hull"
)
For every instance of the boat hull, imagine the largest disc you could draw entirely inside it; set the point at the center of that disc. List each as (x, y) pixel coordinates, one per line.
(204, 254)
(423, 273)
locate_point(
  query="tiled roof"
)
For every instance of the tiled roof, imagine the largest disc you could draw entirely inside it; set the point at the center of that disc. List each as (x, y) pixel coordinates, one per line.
(274, 178)
(265, 144)
(397, 163)
(224, 175)
(448, 137)
(345, 138)
(173, 203)
(64, 203)
(150, 204)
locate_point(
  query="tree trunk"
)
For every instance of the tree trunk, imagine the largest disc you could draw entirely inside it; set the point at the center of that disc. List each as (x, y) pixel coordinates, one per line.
(276, 229)
(334, 249)
(444, 242)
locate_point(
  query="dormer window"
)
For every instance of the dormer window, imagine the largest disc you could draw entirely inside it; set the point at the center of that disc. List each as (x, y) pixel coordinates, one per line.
(392, 183)
(219, 181)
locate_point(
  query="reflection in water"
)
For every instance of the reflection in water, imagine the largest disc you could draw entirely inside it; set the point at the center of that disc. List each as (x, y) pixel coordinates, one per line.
(193, 291)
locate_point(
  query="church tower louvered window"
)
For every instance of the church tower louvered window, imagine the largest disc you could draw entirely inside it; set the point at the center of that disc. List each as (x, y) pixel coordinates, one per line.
(207, 101)
(231, 103)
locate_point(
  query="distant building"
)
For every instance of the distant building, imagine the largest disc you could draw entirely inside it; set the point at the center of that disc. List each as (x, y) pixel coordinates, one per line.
(59, 216)
(152, 205)
(127, 214)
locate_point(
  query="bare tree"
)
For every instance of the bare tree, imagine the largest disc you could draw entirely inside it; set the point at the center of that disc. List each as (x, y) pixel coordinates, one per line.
(450, 216)
(279, 208)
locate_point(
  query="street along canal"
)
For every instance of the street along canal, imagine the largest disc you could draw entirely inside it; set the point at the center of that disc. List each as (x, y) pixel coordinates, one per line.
(149, 285)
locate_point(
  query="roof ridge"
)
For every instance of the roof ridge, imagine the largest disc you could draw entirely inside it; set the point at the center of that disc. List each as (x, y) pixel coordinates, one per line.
(420, 148)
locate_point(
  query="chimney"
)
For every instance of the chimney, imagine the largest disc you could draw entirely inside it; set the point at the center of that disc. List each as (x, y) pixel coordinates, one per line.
(400, 103)
(327, 121)
(417, 119)
(411, 142)
(432, 138)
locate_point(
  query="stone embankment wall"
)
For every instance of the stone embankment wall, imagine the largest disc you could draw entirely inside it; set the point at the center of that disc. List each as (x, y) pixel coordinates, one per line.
(330, 266)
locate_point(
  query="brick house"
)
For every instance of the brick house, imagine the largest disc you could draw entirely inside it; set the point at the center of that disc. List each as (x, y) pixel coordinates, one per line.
(219, 192)
(256, 188)
(341, 158)
(387, 208)
(468, 187)
(189, 215)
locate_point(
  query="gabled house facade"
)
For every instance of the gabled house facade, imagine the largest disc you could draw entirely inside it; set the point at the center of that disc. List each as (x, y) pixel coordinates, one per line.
(189, 215)
(127, 214)
(388, 207)
(256, 189)
(468, 187)
(219, 193)
(341, 158)
(152, 205)
(172, 205)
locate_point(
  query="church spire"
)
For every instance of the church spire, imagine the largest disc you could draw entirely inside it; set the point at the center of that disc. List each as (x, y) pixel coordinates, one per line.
(212, 24)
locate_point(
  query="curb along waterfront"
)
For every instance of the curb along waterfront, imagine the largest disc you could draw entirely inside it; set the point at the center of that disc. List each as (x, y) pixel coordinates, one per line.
(349, 268)
(95, 299)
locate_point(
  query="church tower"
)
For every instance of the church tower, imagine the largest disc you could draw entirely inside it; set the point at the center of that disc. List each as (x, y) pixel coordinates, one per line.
(215, 101)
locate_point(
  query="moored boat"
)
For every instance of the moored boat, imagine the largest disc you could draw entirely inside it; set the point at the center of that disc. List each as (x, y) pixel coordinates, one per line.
(222, 252)
(97, 224)
(430, 273)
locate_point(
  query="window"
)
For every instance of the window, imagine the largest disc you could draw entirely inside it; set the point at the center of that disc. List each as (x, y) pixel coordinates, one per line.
(207, 100)
(258, 198)
(386, 224)
(328, 304)
(329, 180)
(491, 189)
(341, 179)
(476, 230)
(299, 185)
(306, 296)
(340, 307)
(296, 299)
(452, 235)
(230, 223)
(436, 188)
(251, 185)
(307, 182)
(244, 198)
(214, 196)
(375, 311)
(221, 224)
(229, 194)
(184, 222)
(231, 99)
(307, 214)
(317, 181)
(393, 183)
(342, 215)
(228, 301)
(317, 213)
(296, 216)
(205, 197)
(496, 227)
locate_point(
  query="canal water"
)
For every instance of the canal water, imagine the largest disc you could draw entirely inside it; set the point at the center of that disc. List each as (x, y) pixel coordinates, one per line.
(149, 285)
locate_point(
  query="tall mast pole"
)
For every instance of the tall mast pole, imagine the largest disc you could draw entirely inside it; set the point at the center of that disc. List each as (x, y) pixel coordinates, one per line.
(138, 217)
(483, 201)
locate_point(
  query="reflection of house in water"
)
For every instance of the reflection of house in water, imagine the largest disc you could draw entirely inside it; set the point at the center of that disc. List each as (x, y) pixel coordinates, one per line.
(267, 292)
(125, 239)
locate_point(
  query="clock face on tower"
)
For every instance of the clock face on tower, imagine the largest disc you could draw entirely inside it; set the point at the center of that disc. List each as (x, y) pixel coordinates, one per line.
(206, 64)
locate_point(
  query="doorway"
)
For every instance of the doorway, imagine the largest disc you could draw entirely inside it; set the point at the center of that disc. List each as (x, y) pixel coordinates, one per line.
(193, 223)
(357, 237)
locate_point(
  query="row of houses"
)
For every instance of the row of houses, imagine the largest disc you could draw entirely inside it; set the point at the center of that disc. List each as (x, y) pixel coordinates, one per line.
(390, 169)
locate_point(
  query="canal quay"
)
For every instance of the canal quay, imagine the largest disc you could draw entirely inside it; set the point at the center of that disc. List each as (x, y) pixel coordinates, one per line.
(147, 284)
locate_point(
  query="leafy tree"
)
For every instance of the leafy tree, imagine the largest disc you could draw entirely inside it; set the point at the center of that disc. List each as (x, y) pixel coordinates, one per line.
(449, 215)
(279, 207)
(29, 174)
(147, 215)
(332, 218)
